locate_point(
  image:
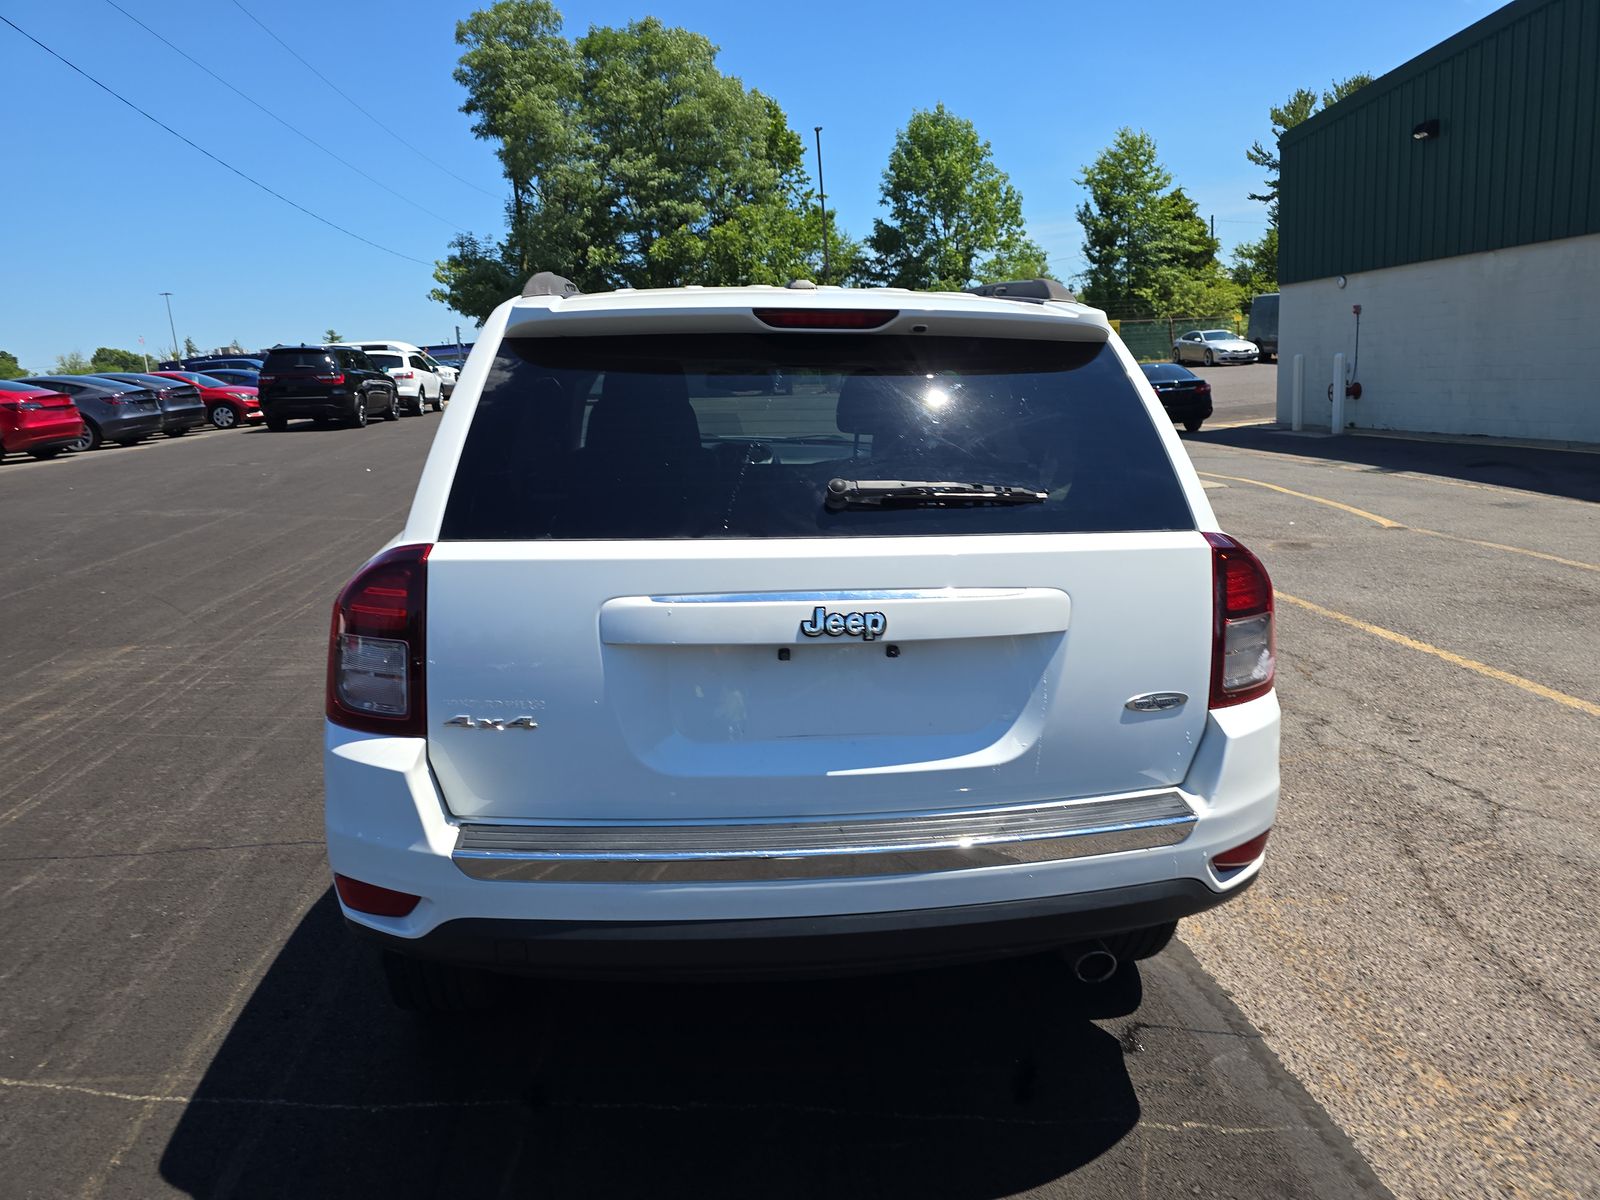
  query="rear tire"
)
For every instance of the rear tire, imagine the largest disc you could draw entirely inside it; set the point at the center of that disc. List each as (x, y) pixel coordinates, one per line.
(46, 452)
(129, 442)
(179, 432)
(419, 985)
(90, 440)
(277, 424)
(1193, 424)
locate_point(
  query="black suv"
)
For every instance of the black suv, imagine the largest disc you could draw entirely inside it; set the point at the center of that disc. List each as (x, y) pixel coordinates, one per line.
(326, 383)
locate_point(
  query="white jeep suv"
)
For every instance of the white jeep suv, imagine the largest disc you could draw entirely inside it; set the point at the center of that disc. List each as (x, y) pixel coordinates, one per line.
(941, 656)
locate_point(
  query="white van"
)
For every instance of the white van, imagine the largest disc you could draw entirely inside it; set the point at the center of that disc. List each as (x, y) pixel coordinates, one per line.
(940, 655)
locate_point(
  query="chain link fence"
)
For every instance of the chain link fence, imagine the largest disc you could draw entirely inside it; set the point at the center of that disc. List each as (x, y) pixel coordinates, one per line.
(1151, 340)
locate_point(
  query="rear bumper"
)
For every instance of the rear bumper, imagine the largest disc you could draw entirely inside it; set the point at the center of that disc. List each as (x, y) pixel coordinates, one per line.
(293, 407)
(124, 428)
(41, 435)
(842, 944)
(1182, 410)
(185, 418)
(388, 825)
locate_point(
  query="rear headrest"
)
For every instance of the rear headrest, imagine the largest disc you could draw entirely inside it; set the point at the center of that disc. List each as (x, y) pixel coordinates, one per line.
(639, 413)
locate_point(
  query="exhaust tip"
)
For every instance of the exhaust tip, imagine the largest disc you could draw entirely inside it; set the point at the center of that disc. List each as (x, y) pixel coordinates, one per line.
(1095, 966)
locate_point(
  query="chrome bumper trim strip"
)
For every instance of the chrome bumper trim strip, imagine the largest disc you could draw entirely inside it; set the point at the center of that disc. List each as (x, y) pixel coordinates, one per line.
(749, 851)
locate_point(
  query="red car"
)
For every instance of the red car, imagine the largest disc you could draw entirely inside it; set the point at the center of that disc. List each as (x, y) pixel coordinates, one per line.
(35, 419)
(228, 404)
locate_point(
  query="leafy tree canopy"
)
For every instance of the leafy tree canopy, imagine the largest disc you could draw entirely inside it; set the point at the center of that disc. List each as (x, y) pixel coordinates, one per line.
(71, 363)
(954, 216)
(108, 359)
(1299, 107)
(10, 368)
(1255, 264)
(330, 336)
(189, 348)
(1149, 251)
(632, 161)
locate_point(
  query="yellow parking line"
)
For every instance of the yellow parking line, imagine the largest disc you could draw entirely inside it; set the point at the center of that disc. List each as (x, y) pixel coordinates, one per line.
(1360, 512)
(1527, 685)
(1555, 558)
(1388, 524)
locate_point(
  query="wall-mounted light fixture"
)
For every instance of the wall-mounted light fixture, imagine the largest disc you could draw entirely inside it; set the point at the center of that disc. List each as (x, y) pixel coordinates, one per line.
(1425, 130)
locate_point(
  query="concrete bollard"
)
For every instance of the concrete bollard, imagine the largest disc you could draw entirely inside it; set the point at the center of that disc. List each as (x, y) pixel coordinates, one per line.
(1338, 393)
(1297, 401)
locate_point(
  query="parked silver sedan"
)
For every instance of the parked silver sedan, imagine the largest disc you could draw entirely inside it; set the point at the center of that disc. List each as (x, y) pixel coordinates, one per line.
(1211, 346)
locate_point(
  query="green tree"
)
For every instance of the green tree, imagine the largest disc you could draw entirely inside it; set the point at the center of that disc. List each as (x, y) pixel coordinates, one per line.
(189, 348)
(10, 368)
(1149, 251)
(1255, 264)
(632, 161)
(1299, 107)
(330, 336)
(108, 359)
(954, 217)
(71, 363)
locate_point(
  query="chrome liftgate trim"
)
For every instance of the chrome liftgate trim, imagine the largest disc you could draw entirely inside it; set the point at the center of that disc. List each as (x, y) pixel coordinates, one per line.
(884, 844)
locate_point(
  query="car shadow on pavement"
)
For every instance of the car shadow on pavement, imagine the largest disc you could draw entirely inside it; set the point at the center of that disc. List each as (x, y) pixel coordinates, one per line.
(972, 1082)
(1573, 474)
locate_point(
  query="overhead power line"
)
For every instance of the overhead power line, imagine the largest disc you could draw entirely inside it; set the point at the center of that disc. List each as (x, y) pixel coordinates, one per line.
(358, 107)
(292, 129)
(195, 146)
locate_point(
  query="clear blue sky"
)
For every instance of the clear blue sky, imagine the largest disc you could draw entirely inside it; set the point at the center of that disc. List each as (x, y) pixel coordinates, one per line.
(101, 210)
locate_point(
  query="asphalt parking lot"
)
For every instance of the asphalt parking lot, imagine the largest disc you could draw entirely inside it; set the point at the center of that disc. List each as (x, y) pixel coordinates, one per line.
(1405, 1002)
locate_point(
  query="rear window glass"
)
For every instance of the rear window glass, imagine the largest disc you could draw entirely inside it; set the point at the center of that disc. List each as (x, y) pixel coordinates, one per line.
(1165, 372)
(385, 362)
(738, 436)
(286, 360)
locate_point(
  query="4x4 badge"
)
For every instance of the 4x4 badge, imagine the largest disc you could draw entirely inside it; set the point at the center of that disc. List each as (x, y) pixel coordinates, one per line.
(499, 723)
(865, 626)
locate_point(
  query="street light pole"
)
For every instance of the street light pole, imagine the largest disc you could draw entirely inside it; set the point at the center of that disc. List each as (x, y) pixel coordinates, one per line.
(177, 351)
(822, 203)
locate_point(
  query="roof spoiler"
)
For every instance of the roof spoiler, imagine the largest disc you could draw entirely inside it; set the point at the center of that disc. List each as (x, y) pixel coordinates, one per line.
(1037, 290)
(548, 283)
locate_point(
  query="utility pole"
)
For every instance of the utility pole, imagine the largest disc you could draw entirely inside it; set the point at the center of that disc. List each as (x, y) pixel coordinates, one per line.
(177, 350)
(143, 355)
(822, 204)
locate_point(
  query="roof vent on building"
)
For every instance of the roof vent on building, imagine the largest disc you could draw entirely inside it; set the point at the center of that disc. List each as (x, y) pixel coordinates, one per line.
(548, 283)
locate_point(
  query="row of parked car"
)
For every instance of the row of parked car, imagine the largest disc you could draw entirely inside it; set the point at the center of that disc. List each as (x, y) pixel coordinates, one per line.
(47, 415)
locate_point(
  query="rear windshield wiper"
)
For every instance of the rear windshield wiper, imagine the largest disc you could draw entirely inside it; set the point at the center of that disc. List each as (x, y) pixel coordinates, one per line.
(924, 493)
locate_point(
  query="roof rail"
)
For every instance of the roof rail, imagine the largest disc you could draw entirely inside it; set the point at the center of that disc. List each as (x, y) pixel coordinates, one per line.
(548, 283)
(1037, 290)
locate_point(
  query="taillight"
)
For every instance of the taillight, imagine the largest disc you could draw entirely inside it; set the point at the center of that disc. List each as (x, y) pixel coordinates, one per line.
(370, 898)
(825, 318)
(262, 380)
(1241, 855)
(1242, 639)
(19, 405)
(404, 375)
(1204, 389)
(336, 377)
(375, 648)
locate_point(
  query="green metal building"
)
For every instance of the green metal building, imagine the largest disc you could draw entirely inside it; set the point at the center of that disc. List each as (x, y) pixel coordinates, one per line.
(1457, 201)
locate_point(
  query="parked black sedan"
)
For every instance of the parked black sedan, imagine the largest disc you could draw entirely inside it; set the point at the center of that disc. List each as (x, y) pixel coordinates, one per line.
(1185, 396)
(182, 406)
(112, 409)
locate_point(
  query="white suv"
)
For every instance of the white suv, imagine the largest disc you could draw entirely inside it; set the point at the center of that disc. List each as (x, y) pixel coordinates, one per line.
(941, 656)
